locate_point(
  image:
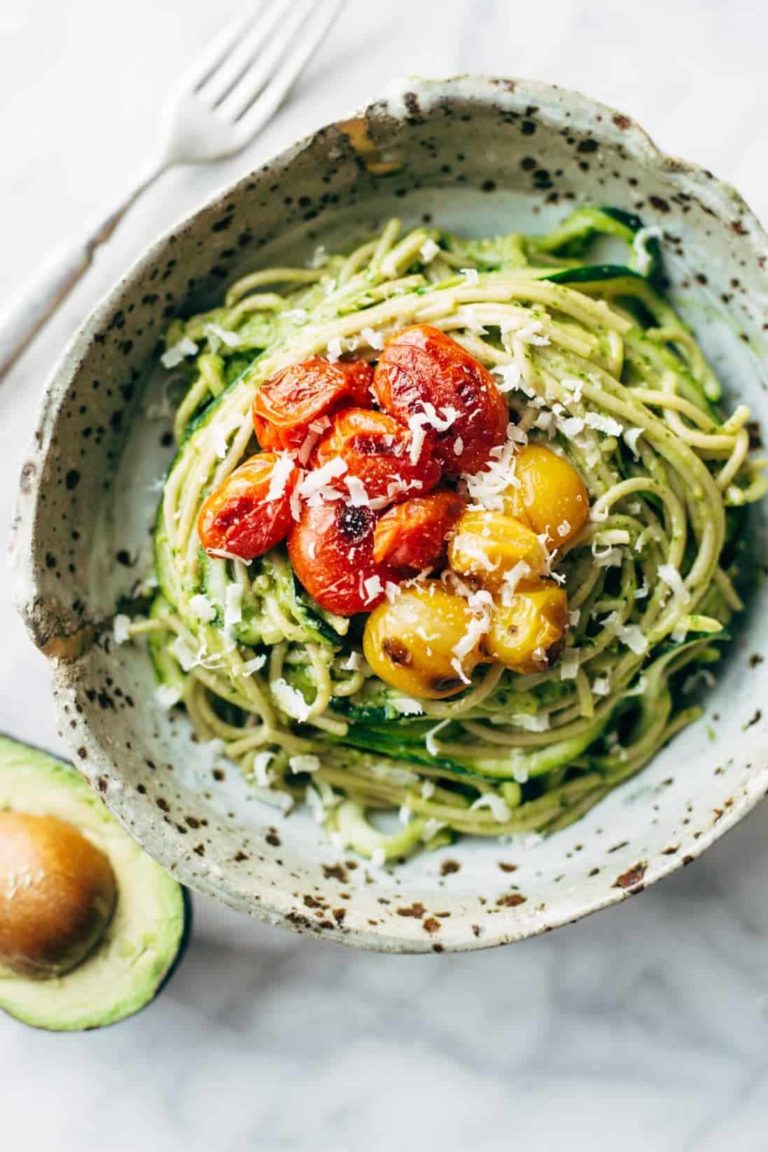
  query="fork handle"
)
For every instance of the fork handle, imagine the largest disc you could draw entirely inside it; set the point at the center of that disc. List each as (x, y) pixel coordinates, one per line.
(37, 301)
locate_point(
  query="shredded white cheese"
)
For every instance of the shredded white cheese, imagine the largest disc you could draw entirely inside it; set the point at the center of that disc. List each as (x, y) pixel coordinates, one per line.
(281, 473)
(121, 628)
(428, 251)
(429, 739)
(233, 605)
(471, 275)
(202, 608)
(498, 807)
(251, 666)
(166, 696)
(509, 376)
(602, 423)
(601, 686)
(182, 652)
(218, 336)
(672, 578)
(631, 437)
(358, 495)
(305, 762)
(178, 352)
(261, 772)
(316, 482)
(290, 700)
(571, 427)
(373, 588)
(373, 338)
(405, 706)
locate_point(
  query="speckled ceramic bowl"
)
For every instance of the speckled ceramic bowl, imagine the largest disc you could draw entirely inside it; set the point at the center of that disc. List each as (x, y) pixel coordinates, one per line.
(476, 155)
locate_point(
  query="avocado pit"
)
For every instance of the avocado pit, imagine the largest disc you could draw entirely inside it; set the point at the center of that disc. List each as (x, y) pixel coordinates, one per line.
(57, 895)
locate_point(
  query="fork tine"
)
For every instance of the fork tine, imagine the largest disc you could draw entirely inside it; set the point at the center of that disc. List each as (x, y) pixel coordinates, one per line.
(263, 100)
(237, 62)
(260, 51)
(206, 64)
(266, 58)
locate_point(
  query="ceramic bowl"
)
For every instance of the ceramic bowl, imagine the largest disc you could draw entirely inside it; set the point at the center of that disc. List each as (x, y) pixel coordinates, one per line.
(476, 155)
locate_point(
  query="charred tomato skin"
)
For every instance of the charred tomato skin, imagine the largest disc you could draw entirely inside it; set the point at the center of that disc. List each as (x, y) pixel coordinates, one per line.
(288, 402)
(239, 518)
(377, 450)
(331, 551)
(421, 365)
(413, 534)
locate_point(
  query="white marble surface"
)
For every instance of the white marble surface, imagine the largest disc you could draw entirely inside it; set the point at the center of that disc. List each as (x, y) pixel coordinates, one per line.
(645, 1028)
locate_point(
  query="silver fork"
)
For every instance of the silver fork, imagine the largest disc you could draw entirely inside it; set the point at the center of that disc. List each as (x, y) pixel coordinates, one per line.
(228, 94)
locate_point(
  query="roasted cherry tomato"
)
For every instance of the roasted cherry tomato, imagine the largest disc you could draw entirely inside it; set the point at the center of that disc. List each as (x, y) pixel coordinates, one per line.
(412, 642)
(287, 403)
(379, 452)
(528, 633)
(331, 550)
(250, 512)
(422, 367)
(412, 535)
(549, 495)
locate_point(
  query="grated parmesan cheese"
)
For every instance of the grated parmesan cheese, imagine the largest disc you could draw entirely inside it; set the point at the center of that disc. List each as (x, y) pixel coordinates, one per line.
(304, 763)
(121, 628)
(571, 427)
(373, 588)
(509, 376)
(281, 473)
(290, 700)
(373, 338)
(429, 739)
(569, 666)
(672, 578)
(428, 251)
(218, 336)
(182, 652)
(315, 483)
(251, 666)
(601, 686)
(602, 423)
(498, 807)
(261, 772)
(233, 606)
(471, 275)
(405, 706)
(166, 696)
(203, 608)
(631, 437)
(334, 349)
(178, 352)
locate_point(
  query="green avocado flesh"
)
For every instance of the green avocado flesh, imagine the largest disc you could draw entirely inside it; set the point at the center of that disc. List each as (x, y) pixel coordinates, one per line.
(146, 934)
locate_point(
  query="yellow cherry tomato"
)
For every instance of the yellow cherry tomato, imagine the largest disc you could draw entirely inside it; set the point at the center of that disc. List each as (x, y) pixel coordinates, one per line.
(528, 632)
(550, 495)
(487, 545)
(412, 643)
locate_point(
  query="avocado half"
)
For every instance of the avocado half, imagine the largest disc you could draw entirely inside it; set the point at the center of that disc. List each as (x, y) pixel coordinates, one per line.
(147, 934)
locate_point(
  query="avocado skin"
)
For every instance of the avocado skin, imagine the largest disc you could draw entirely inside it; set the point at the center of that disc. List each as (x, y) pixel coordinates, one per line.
(36, 1002)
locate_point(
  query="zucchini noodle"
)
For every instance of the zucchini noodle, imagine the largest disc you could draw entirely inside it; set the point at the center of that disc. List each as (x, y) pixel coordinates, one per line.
(594, 363)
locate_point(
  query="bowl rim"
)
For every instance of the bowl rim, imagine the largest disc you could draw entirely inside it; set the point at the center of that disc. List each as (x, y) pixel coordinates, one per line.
(26, 550)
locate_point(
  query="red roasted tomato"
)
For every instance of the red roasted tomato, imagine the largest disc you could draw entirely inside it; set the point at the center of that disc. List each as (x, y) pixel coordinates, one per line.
(379, 451)
(287, 403)
(331, 550)
(422, 366)
(250, 512)
(412, 535)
